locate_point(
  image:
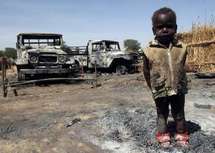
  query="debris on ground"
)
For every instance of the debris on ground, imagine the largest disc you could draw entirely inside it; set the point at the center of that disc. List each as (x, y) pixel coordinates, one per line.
(132, 130)
(74, 121)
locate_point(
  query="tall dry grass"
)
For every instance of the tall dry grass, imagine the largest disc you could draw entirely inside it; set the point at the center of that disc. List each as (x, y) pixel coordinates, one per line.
(200, 58)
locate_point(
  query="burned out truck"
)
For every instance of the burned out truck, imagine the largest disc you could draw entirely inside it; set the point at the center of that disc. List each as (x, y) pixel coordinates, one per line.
(40, 55)
(106, 55)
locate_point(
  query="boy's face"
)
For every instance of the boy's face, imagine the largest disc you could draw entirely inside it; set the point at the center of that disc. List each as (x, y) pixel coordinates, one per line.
(164, 28)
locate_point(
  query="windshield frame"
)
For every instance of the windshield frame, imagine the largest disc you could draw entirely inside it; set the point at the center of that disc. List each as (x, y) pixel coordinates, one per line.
(39, 40)
(112, 46)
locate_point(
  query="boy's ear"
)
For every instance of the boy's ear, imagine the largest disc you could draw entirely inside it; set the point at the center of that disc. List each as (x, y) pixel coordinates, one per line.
(154, 30)
(176, 27)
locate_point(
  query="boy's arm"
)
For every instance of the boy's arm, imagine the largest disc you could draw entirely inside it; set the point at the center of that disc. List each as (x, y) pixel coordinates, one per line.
(146, 70)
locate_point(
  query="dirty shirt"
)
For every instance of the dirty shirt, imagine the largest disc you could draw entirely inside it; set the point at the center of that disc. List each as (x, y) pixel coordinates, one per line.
(164, 68)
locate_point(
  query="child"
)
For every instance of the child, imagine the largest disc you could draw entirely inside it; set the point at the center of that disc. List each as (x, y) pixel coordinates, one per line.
(164, 71)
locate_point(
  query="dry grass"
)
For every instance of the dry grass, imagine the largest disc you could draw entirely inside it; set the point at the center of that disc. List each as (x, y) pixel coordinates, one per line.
(200, 58)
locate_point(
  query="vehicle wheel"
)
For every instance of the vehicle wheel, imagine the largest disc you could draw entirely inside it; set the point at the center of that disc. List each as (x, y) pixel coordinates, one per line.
(121, 70)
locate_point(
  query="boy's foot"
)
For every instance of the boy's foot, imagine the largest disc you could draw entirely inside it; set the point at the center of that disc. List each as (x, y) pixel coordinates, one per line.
(163, 139)
(182, 139)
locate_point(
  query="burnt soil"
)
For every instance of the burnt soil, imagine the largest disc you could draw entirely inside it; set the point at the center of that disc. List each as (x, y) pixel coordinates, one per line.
(118, 116)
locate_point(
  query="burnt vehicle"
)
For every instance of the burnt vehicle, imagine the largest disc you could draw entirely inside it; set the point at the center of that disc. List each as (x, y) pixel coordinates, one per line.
(41, 55)
(106, 55)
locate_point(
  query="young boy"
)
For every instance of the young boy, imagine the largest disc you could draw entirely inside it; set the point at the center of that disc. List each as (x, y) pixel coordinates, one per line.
(164, 71)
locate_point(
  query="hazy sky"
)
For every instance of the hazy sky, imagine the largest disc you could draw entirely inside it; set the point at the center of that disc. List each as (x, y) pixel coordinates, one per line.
(81, 20)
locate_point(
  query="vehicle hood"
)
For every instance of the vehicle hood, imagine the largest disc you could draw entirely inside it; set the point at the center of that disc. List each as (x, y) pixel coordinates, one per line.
(119, 53)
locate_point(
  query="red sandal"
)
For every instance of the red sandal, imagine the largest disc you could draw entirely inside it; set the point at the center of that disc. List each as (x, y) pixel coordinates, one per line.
(163, 139)
(182, 139)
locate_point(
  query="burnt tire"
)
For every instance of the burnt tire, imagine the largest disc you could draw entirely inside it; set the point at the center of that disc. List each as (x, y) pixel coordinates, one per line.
(121, 70)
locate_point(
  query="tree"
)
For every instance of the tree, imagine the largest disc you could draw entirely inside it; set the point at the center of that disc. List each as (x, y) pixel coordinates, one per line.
(131, 45)
(10, 53)
(1, 53)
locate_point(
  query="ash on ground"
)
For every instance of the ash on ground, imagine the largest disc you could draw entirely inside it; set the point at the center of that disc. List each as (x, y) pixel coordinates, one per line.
(132, 130)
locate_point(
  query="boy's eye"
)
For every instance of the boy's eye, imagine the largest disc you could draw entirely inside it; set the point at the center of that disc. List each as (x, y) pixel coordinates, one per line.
(164, 26)
(160, 27)
(169, 26)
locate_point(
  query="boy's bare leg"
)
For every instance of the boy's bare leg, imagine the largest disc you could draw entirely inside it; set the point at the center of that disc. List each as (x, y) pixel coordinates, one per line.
(177, 109)
(162, 106)
(162, 135)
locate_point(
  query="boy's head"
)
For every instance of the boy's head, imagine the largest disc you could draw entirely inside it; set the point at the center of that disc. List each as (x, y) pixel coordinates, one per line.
(164, 25)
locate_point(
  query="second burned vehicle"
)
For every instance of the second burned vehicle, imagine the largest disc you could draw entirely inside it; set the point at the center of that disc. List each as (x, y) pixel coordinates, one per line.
(106, 55)
(42, 55)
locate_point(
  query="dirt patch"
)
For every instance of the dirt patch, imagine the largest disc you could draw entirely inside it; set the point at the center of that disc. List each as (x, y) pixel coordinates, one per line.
(119, 116)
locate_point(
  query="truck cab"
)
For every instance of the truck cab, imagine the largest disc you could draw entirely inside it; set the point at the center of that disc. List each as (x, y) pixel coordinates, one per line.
(41, 55)
(106, 55)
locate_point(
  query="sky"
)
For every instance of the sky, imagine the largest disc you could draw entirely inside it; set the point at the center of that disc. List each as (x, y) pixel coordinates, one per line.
(83, 20)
